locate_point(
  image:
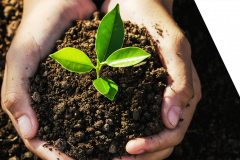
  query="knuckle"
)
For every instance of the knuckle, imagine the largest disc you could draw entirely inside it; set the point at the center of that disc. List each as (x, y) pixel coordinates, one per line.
(186, 92)
(8, 102)
(184, 85)
(184, 44)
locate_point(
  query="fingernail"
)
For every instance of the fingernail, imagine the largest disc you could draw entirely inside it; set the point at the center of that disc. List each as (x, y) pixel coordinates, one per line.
(174, 114)
(136, 146)
(25, 125)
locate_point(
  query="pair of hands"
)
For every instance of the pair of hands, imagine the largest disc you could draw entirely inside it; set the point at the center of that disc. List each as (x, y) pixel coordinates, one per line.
(42, 24)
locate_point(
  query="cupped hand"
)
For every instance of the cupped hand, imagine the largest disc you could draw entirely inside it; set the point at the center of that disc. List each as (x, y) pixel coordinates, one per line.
(183, 87)
(42, 24)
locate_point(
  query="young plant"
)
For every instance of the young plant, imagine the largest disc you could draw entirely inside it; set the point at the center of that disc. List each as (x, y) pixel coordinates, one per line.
(110, 37)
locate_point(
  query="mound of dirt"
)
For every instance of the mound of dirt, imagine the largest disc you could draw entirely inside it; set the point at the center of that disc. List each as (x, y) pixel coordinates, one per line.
(79, 120)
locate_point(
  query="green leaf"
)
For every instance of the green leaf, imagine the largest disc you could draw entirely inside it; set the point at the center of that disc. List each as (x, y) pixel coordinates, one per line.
(107, 87)
(73, 60)
(126, 57)
(110, 34)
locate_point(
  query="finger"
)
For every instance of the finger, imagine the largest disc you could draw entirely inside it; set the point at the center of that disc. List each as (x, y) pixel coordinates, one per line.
(47, 153)
(105, 5)
(177, 59)
(150, 156)
(16, 103)
(89, 7)
(168, 138)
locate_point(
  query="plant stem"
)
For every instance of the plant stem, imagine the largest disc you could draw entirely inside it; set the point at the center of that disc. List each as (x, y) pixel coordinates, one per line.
(98, 68)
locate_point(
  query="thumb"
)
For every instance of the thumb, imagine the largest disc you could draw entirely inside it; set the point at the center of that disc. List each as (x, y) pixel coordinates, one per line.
(16, 103)
(179, 90)
(22, 61)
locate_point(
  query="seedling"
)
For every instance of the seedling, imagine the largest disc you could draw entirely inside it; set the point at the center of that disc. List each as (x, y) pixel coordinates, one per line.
(110, 37)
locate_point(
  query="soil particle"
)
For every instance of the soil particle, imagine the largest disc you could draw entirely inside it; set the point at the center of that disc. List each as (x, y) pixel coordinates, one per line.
(112, 148)
(7, 11)
(98, 124)
(61, 144)
(78, 126)
(109, 121)
(12, 28)
(97, 133)
(27, 155)
(59, 108)
(55, 117)
(80, 135)
(36, 97)
(37, 79)
(14, 158)
(158, 99)
(47, 129)
(135, 115)
(105, 127)
(65, 85)
(45, 74)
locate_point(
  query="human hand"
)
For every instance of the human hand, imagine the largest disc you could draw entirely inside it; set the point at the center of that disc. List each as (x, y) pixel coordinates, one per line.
(183, 83)
(42, 24)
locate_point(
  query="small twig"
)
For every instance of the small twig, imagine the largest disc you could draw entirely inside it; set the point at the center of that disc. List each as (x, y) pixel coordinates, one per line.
(8, 140)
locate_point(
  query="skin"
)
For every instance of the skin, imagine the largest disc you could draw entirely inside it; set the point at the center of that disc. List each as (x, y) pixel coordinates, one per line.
(43, 23)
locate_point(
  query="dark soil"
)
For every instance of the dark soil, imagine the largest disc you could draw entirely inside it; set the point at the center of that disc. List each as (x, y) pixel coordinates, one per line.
(85, 124)
(214, 130)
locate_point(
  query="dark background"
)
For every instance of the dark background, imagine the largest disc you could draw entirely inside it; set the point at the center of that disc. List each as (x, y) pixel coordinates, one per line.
(214, 132)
